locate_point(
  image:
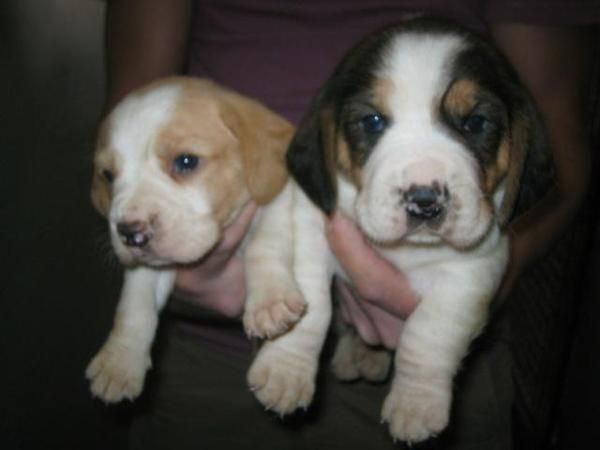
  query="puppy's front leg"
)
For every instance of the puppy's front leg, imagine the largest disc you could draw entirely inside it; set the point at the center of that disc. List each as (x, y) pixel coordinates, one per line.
(283, 373)
(117, 372)
(274, 302)
(434, 340)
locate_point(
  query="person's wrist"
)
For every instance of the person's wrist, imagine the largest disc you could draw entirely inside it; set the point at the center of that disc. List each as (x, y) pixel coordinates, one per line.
(191, 283)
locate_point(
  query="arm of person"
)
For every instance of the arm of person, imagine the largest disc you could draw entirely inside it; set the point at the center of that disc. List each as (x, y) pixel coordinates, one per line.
(555, 64)
(145, 40)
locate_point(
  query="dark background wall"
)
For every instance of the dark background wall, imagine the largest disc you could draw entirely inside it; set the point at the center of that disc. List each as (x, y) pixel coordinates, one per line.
(59, 284)
(58, 297)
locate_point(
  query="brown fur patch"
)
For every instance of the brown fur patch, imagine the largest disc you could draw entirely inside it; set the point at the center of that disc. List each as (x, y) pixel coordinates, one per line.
(383, 89)
(460, 100)
(351, 171)
(344, 159)
(240, 145)
(263, 138)
(461, 97)
(196, 128)
(104, 159)
(520, 138)
(495, 173)
(337, 150)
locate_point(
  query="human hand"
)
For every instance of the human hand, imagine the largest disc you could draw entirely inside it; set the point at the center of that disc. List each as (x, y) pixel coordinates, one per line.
(381, 297)
(216, 282)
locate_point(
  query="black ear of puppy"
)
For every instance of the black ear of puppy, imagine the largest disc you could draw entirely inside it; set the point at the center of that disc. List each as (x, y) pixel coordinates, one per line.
(310, 162)
(539, 171)
(531, 172)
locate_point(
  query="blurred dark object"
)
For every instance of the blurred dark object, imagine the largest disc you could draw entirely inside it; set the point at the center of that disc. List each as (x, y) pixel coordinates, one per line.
(58, 284)
(554, 310)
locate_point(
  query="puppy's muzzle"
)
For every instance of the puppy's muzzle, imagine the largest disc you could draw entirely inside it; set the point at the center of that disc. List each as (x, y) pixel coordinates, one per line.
(426, 202)
(134, 234)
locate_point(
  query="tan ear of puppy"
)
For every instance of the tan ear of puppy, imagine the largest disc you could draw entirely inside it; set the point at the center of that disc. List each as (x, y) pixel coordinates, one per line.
(101, 191)
(264, 137)
(100, 195)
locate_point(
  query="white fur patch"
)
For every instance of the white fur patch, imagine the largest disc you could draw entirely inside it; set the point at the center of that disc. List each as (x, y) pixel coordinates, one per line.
(181, 215)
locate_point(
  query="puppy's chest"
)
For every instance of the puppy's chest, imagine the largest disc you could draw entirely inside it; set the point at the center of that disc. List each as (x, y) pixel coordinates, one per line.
(422, 267)
(425, 268)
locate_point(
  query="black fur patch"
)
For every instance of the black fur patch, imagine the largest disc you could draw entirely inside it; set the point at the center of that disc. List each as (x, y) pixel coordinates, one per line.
(307, 155)
(488, 67)
(483, 144)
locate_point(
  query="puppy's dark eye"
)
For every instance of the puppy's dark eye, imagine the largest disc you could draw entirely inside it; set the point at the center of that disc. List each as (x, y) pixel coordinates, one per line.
(185, 163)
(476, 124)
(373, 123)
(108, 176)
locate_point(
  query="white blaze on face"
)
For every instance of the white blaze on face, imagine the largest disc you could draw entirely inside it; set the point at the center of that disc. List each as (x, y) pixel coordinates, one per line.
(417, 149)
(179, 217)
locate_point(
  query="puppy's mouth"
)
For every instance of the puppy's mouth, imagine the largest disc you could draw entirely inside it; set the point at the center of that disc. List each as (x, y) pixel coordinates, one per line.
(418, 214)
(166, 249)
(417, 232)
(144, 255)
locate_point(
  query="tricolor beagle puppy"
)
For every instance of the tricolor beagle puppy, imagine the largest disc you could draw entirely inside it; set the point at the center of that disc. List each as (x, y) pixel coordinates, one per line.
(421, 136)
(175, 163)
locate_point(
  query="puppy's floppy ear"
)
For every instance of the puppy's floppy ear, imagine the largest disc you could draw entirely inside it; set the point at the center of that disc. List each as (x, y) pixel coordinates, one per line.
(311, 155)
(530, 171)
(263, 137)
(100, 194)
(101, 190)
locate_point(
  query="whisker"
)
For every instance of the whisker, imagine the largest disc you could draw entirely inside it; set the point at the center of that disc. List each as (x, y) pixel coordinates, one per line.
(104, 249)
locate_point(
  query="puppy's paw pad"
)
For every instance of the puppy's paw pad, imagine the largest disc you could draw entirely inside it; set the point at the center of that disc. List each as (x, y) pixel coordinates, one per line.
(343, 365)
(354, 359)
(117, 373)
(414, 415)
(282, 388)
(274, 313)
(373, 364)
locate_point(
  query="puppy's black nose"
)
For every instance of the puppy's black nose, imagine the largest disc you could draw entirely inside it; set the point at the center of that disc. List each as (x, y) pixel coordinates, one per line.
(425, 202)
(133, 234)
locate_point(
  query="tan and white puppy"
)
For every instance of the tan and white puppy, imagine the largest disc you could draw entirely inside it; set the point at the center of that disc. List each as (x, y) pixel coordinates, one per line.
(420, 136)
(175, 163)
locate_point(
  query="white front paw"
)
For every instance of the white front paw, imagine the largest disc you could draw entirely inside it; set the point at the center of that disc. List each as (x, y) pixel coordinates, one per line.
(117, 372)
(273, 310)
(281, 381)
(416, 413)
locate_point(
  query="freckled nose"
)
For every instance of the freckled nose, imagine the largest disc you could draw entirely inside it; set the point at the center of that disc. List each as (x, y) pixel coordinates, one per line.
(425, 202)
(134, 234)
